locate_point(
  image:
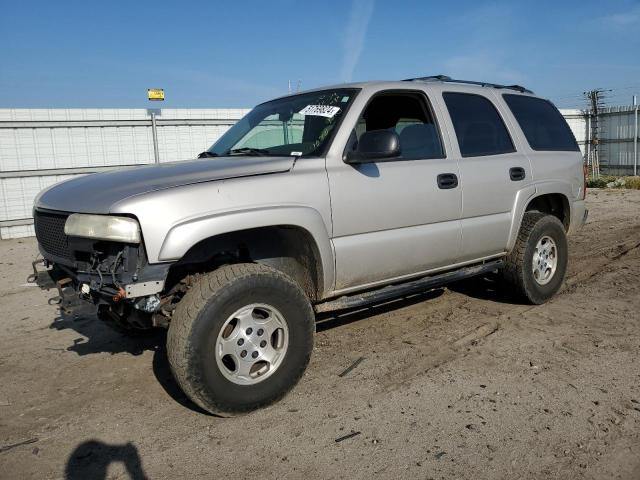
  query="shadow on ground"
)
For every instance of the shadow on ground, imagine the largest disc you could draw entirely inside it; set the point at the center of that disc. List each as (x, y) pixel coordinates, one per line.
(489, 287)
(92, 458)
(98, 337)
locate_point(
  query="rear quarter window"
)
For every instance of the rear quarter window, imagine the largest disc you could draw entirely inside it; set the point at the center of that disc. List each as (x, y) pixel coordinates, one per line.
(542, 124)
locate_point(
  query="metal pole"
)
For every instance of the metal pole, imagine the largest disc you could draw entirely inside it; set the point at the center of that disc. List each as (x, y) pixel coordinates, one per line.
(635, 144)
(589, 160)
(154, 131)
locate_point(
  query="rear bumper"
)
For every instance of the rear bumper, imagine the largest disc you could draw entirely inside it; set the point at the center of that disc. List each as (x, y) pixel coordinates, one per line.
(579, 214)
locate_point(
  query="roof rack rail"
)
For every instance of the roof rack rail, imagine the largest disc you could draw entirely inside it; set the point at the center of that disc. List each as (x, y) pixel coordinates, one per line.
(447, 79)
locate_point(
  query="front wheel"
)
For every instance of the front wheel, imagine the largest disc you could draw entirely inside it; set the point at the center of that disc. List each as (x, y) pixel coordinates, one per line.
(538, 262)
(240, 338)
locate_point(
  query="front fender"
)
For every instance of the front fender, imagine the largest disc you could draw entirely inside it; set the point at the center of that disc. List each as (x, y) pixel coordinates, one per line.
(183, 236)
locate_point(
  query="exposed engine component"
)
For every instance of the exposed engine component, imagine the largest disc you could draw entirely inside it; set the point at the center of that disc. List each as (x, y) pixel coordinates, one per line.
(148, 304)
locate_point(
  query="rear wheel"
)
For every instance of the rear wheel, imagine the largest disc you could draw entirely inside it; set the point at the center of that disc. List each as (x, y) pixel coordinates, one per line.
(538, 262)
(240, 338)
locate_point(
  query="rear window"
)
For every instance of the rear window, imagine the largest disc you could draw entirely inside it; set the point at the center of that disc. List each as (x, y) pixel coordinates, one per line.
(542, 123)
(478, 126)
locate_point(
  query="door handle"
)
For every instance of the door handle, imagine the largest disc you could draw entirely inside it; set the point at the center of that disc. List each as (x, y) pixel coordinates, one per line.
(447, 181)
(517, 173)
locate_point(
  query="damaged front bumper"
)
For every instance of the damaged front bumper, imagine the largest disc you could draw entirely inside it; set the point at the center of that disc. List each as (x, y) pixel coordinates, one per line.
(47, 280)
(114, 276)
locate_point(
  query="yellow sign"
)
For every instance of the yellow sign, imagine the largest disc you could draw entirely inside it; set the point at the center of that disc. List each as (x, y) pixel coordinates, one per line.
(155, 94)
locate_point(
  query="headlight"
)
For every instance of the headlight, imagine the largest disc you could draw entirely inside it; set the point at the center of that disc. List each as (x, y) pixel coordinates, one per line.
(103, 227)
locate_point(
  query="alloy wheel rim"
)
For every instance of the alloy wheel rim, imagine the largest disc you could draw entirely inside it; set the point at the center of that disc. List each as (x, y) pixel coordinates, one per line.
(545, 260)
(252, 344)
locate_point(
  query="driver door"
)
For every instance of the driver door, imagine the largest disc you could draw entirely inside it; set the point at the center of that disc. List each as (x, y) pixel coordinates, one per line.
(395, 218)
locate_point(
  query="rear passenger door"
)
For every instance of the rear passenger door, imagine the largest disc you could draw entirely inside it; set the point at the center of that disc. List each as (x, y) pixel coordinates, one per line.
(491, 172)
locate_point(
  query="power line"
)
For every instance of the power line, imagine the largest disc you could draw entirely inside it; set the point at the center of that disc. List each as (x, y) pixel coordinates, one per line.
(628, 87)
(612, 92)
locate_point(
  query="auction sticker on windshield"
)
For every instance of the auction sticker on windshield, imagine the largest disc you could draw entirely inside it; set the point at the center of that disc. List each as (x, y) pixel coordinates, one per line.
(320, 110)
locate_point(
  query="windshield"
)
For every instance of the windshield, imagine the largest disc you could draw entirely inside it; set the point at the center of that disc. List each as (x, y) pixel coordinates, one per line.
(297, 125)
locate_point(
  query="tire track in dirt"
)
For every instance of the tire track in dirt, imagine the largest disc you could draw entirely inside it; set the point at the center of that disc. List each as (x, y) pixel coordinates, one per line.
(438, 356)
(602, 255)
(479, 324)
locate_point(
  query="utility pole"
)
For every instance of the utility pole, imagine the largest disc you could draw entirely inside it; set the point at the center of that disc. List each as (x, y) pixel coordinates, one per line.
(635, 137)
(595, 100)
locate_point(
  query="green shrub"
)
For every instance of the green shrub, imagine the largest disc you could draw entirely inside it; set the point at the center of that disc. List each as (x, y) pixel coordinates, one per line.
(632, 182)
(596, 182)
(610, 181)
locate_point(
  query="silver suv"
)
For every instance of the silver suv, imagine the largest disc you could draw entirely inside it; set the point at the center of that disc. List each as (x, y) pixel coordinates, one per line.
(324, 200)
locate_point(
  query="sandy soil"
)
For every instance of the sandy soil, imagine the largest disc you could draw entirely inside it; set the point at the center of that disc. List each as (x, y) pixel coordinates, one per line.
(458, 383)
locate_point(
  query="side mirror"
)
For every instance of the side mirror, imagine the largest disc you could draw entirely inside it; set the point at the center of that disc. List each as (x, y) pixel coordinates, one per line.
(375, 145)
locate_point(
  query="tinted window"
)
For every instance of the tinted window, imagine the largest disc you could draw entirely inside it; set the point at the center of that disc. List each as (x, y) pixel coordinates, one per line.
(479, 128)
(542, 123)
(409, 116)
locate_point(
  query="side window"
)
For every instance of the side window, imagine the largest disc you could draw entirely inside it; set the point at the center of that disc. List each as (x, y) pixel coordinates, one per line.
(409, 116)
(478, 126)
(541, 123)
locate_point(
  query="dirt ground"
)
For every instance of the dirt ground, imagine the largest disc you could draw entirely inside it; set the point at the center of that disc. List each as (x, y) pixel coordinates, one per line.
(460, 383)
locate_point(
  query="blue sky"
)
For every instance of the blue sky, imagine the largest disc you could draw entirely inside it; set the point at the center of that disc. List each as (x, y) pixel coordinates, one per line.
(235, 54)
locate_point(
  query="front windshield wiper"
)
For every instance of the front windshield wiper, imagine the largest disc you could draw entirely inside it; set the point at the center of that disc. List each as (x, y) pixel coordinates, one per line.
(250, 150)
(207, 154)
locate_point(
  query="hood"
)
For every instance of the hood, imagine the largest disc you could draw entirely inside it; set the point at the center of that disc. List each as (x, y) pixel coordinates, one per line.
(96, 193)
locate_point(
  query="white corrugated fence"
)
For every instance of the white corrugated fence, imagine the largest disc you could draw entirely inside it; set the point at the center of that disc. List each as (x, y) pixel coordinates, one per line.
(40, 147)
